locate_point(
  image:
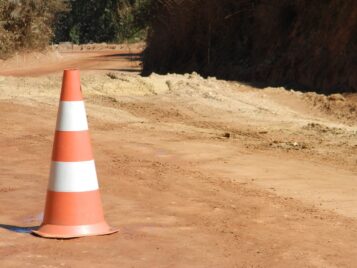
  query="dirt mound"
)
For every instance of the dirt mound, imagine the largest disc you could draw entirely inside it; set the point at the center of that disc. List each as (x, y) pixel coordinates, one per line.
(307, 45)
(336, 105)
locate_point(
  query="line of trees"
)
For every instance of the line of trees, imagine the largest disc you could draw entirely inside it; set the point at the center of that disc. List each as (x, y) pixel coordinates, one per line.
(102, 20)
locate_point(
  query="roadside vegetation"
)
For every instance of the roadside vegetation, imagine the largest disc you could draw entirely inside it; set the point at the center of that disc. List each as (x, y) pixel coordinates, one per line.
(26, 24)
(102, 21)
(34, 24)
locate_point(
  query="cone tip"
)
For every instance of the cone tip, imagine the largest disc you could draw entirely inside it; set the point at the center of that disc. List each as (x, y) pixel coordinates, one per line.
(71, 86)
(71, 70)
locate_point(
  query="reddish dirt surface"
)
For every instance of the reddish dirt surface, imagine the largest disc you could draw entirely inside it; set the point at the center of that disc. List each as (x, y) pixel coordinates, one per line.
(195, 172)
(90, 57)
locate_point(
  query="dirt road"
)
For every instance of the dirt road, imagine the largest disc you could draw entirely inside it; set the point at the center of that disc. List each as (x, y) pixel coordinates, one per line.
(96, 57)
(195, 172)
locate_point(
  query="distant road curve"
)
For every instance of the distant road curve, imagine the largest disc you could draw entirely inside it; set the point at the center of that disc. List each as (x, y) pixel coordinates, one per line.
(86, 57)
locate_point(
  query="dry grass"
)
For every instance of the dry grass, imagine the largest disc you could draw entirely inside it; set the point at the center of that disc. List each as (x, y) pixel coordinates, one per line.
(26, 24)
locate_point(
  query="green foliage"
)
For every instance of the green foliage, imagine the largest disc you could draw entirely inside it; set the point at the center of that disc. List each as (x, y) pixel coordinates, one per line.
(102, 21)
(74, 34)
(134, 20)
(26, 24)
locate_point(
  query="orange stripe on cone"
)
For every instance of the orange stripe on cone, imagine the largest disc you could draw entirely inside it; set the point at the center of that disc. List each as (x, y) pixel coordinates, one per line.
(73, 205)
(71, 146)
(80, 208)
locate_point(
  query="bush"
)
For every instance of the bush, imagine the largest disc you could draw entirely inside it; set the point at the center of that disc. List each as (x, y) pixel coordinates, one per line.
(26, 24)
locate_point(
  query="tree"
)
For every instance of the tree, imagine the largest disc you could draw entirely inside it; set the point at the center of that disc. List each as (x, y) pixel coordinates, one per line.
(102, 20)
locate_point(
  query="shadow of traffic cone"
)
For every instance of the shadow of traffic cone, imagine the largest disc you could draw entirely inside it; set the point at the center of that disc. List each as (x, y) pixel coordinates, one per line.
(73, 204)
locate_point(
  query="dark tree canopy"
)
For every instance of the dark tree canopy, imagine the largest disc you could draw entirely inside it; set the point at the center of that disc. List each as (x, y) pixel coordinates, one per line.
(101, 20)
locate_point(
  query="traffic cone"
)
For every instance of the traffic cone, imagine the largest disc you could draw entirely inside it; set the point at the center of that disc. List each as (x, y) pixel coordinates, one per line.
(73, 204)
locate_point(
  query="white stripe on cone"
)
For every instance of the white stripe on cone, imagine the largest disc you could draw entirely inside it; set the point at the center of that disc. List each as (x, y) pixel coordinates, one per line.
(72, 116)
(73, 177)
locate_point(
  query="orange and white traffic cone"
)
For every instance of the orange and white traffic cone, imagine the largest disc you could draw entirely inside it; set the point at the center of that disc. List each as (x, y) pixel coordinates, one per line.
(73, 204)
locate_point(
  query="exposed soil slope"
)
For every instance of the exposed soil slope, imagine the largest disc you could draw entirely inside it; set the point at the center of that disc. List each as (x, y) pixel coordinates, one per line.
(303, 44)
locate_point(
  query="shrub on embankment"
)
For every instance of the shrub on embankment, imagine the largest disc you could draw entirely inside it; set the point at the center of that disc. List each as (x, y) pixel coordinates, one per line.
(302, 44)
(26, 24)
